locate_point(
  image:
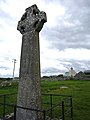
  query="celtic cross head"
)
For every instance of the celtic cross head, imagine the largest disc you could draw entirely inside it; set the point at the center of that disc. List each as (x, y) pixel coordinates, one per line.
(32, 20)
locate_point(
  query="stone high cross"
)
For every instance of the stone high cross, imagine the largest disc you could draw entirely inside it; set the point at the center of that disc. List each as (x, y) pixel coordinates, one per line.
(29, 93)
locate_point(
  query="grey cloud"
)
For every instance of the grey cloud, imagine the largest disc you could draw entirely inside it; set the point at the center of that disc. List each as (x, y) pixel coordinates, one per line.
(67, 39)
(1, 40)
(74, 33)
(7, 18)
(4, 67)
(81, 65)
(51, 1)
(4, 14)
(2, 1)
(50, 70)
(6, 76)
(75, 3)
(78, 65)
(6, 57)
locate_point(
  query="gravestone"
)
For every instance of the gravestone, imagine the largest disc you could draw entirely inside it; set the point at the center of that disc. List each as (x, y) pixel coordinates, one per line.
(29, 93)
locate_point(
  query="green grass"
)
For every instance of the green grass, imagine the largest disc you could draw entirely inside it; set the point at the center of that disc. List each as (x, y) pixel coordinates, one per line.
(79, 89)
(9, 89)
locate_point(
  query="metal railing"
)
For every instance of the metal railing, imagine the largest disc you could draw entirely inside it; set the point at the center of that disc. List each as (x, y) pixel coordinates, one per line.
(53, 106)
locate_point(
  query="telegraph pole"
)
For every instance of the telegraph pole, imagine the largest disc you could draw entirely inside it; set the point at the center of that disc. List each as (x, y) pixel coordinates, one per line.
(14, 61)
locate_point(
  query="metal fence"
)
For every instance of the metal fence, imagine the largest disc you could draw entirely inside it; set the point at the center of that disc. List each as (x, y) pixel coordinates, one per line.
(53, 106)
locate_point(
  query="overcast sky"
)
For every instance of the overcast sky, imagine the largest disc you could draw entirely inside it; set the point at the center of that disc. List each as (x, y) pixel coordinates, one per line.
(64, 39)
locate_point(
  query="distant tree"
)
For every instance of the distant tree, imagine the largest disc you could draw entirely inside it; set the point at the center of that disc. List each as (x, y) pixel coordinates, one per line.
(8, 79)
(61, 75)
(45, 77)
(87, 72)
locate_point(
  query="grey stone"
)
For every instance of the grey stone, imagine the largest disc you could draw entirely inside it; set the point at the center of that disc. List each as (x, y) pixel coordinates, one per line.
(29, 92)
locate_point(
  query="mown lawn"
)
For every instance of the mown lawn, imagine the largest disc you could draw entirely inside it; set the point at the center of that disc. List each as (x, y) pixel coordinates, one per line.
(79, 89)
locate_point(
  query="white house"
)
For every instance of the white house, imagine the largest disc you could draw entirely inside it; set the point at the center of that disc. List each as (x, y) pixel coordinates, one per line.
(72, 72)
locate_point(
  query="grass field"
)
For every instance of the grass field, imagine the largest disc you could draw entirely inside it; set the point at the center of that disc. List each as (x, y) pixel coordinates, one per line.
(79, 89)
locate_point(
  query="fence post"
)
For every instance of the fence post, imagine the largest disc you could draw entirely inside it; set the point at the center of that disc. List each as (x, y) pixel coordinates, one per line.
(71, 108)
(44, 114)
(63, 115)
(4, 106)
(51, 104)
(14, 112)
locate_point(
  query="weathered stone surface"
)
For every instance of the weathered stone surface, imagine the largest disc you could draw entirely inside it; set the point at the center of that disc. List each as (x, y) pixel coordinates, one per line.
(29, 93)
